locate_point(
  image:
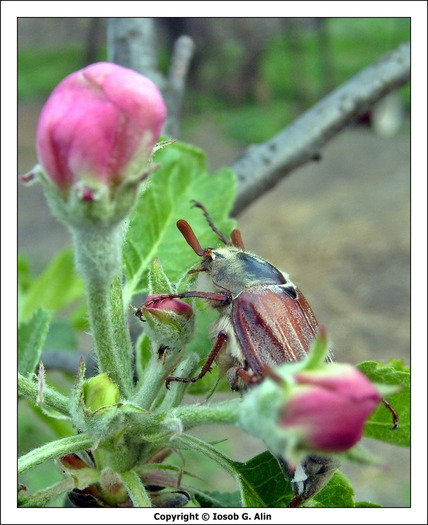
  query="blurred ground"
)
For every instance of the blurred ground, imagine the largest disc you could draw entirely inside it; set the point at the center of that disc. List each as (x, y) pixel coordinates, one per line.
(341, 229)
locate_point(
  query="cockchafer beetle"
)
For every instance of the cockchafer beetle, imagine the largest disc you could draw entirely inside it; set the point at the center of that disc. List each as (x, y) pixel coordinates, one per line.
(264, 321)
(264, 318)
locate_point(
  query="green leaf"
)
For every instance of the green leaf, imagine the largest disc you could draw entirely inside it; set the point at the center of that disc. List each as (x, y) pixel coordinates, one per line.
(35, 427)
(152, 231)
(263, 483)
(79, 318)
(61, 336)
(261, 480)
(24, 273)
(57, 287)
(217, 499)
(31, 336)
(158, 281)
(379, 424)
(365, 504)
(24, 281)
(202, 345)
(143, 354)
(337, 493)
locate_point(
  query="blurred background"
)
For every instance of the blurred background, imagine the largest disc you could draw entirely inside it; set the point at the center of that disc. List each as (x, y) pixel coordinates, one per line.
(340, 227)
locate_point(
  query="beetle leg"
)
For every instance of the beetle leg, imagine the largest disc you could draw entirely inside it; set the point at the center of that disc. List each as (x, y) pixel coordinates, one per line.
(238, 375)
(394, 414)
(268, 372)
(235, 374)
(221, 338)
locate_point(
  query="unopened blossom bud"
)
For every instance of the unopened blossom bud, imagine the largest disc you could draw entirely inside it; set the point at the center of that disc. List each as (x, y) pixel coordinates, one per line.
(100, 392)
(163, 307)
(99, 124)
(328, 408)
(170, 322)
(315, 410)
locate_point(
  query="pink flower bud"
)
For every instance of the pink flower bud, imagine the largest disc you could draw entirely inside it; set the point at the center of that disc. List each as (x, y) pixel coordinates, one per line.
(161, 306)
(99, 124)
(328, 408)
(169, 322)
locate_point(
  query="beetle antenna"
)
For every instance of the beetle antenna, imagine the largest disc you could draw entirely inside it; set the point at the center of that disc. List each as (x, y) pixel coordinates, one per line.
(211, 223)
(237, 239)
(189, 235)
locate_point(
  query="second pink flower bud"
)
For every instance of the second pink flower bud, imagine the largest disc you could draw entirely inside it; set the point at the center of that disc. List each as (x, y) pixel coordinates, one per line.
(315, 411)
(328, 408)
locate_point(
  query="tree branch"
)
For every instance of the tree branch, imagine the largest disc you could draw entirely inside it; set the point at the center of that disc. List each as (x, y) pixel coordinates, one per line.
(180, 62)
(263, 165)
(131, 43)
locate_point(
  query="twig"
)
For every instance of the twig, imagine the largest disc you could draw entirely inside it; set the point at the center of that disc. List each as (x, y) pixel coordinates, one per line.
(180, 62)
(262, 166)
(132, 43)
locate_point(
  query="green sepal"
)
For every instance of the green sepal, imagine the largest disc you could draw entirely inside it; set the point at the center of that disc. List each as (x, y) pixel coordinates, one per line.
(99, 392)
(31, 337)
(158, 280)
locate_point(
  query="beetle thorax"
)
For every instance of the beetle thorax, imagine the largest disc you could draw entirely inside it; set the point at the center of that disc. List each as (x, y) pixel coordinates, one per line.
(234, 271)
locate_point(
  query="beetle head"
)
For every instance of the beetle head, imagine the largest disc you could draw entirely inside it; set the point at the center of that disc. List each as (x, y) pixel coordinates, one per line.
(231, 268)
(207, 254)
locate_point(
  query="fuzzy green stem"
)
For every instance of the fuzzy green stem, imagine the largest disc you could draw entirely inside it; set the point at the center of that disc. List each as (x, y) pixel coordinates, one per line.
(161, 428)
(119, 316)
(225, 412)
(53, 450)
(152, 383)
(318, 352)
(41, 497)
(112, 359)
(50, 397)
(188, 442)
(174, 395)
(98, 258)
(135, 488)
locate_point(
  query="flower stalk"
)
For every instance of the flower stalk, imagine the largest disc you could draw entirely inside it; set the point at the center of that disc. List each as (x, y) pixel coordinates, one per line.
(50, 399)
(135, 489)
(221, 413)
(97, 258)
(41, 497)
(53, 450)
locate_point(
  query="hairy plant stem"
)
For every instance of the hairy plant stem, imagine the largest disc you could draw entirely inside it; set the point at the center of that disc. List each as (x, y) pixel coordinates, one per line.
(112, 358)
(119, 316)
(54, 450)
(98, 258)
(50, 397)
(224, 412)
(135, 489)
(188, 442)
(41, 497)
(152, 385)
